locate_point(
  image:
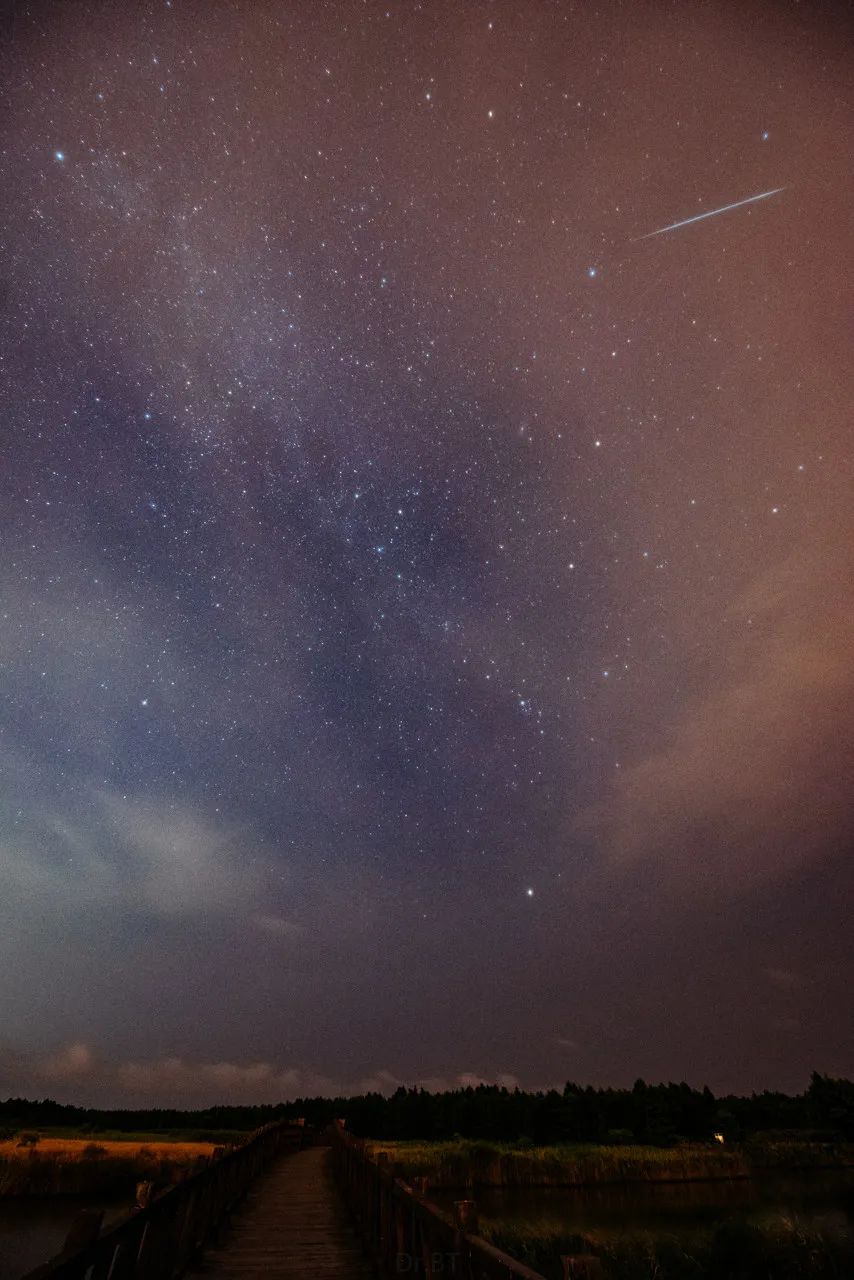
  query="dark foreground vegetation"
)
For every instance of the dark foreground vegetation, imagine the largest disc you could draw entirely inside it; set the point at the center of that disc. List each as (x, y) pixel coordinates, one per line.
(95, 1172)
(782, 1249)
(659, 1115)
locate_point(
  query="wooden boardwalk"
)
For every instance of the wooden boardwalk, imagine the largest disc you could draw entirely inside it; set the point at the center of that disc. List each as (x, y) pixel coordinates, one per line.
(292, 1224)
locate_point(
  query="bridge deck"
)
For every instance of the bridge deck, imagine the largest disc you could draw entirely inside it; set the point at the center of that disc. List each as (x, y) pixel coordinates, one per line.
(291, 1224)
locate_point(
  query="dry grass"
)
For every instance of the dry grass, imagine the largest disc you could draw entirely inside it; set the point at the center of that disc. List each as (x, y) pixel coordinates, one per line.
(75, 1149)
(464, 1163)
(95, 1166)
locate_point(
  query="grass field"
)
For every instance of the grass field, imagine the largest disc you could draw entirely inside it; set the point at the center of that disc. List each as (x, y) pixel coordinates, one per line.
(147, 1137)
(95, 1164)
(77, 1148)
(493, 1164)
(468, 1164)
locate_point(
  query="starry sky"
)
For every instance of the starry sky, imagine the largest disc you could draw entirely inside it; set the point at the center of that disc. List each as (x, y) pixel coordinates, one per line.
(425, 605)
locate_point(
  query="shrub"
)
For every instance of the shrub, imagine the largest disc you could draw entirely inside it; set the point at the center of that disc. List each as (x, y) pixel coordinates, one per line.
(29, 1139)
(93, 1150)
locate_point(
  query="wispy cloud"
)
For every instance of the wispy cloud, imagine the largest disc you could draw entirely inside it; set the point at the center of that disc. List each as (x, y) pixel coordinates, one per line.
(278, 926)
(166, 859)
(180, 860)
(755, 778)
(76, 1073)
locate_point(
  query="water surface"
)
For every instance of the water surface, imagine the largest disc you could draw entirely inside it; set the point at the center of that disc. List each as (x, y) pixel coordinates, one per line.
(33, 1228)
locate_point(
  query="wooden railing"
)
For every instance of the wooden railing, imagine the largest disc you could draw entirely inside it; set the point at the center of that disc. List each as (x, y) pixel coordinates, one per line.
(404, 1233)
(157, 1241)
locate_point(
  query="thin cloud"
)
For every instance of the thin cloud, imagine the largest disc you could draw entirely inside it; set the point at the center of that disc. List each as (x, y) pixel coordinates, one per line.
(755, 778)
(181, 860)
(77, 1073)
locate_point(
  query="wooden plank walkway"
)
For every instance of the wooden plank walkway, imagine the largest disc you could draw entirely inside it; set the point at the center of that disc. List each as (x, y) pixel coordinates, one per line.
(292, 1224)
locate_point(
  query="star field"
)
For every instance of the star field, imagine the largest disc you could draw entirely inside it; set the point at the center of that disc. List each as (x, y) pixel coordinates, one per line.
(424, 609)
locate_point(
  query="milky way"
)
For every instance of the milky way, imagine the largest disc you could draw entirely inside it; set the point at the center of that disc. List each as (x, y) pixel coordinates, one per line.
(426, 626)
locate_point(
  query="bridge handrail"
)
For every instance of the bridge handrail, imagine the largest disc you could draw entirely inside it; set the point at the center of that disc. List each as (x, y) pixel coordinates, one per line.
(404, 1232)
(156, 1242)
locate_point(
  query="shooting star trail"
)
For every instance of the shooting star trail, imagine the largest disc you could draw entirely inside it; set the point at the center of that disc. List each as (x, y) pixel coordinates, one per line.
(711, 214)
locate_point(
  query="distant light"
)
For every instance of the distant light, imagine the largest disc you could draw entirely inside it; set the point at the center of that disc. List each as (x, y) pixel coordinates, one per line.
(59, 155)
(490, 114)
(591, 271)
(765, 136)
(529, 892)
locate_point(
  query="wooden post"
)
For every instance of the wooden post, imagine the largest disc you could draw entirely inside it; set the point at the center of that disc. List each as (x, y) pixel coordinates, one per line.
(383, 1208)
(84, 1230)
(144, 1194)
(465, 1216)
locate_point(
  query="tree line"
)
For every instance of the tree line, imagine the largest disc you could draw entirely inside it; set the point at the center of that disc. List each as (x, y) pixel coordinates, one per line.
(650, 1113)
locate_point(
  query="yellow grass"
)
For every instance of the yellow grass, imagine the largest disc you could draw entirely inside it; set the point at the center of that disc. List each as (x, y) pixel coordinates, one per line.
(71, 1148)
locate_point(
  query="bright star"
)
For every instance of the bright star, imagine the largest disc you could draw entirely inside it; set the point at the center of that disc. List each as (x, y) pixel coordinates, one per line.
(59, 155)
(591, 271)
(529, 892)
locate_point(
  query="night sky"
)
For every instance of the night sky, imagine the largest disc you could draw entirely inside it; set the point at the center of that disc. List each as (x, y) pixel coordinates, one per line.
(425, 605)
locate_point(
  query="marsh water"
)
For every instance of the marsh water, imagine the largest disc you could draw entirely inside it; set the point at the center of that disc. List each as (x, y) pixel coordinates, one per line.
(33, 1228)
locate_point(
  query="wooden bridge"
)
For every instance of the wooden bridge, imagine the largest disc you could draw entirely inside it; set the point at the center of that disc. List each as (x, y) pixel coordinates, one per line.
(292, 1224)
(288, 1205)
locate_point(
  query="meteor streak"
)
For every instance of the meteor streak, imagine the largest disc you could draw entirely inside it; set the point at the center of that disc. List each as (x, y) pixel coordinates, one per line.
(711, 214)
